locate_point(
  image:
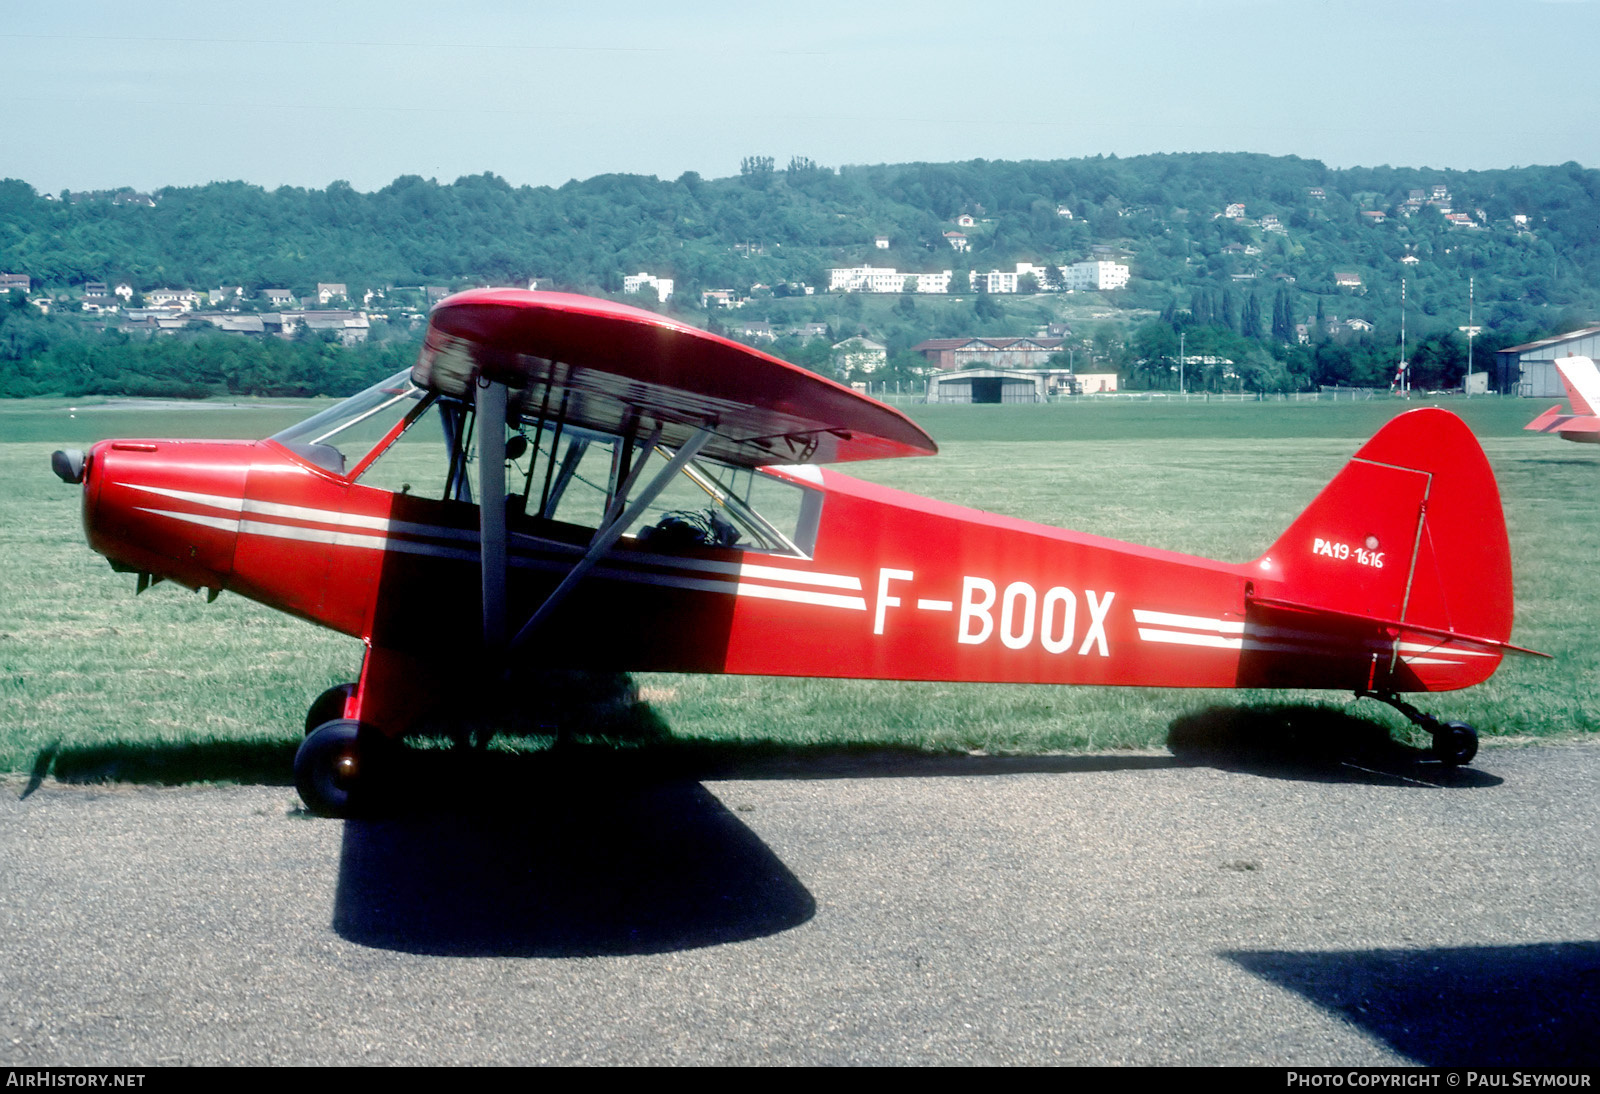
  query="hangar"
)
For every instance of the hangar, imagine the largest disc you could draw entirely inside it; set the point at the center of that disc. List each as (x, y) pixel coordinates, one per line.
(989, 385)
(1529, 370)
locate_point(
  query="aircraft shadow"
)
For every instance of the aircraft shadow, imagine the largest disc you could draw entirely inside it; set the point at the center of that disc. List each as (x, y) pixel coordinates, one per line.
(1294, 741)
(564, 868)
(1535, 1005)
(1310, 743)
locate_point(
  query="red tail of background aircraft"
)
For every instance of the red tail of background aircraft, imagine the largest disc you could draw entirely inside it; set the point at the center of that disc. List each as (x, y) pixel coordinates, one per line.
(1582, 381)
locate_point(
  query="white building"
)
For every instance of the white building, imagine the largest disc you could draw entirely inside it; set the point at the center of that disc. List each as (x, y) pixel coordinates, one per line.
(886, 279)
(866, 279)
(995, 281)
(635, 283)
(1098, 276)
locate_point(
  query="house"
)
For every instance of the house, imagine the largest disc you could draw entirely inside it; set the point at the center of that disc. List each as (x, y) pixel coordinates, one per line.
(1064, 212)
(807, 331)
(9, 281)
(957, 240)
(859, 355)
(881, 242)
(124, 290)
(718, 298)
(1271, 223)
(756, 330)
(184, 299)
(1360, 326)
(1374, 216)
(633, 284)
(964, 221)
(1317, 193)
(1346, 279)
(95, 290)
(1410, 260)
(351, 329)
(1234, 211)
(278, 298)
(329, 291)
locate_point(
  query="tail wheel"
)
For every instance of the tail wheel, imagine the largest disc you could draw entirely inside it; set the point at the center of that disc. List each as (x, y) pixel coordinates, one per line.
(329, 706)
(339, 768)
(1455, 743)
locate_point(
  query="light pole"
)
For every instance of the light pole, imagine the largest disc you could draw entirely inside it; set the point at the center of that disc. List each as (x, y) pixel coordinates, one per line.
(1472, 332)
(1181, 359)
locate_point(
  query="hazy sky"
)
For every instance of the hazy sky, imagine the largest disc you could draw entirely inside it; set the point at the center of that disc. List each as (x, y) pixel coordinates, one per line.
(109, 94)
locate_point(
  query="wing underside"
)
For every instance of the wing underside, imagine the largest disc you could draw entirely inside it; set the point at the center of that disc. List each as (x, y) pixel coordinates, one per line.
(621, 370)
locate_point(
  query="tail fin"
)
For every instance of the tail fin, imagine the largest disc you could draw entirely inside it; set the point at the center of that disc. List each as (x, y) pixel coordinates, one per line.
(1399, 571)
(1582, 381)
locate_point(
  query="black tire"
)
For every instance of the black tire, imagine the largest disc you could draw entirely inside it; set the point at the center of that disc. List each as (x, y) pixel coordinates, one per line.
(1456, 744)
(329, 706)
(338, 769)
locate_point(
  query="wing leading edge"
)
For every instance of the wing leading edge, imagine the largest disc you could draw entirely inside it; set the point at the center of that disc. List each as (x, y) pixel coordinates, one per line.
(623, 370)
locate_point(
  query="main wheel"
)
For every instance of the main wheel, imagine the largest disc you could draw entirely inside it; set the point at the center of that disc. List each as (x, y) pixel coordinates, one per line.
(338, 768)
(1455, 744)
(329, 706)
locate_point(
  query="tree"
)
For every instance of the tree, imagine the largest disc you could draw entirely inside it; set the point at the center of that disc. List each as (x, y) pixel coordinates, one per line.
(756, 171)
(1283, 316)
(1250, 327)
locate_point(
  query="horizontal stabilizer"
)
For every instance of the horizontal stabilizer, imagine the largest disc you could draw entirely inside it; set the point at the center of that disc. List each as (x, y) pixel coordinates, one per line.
(1395, 625)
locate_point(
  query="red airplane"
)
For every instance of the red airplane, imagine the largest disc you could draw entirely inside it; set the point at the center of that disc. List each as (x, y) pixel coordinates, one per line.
(1582, 381)
(658, 506)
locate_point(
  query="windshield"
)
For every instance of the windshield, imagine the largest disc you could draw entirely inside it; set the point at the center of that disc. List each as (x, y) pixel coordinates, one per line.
(342, 436)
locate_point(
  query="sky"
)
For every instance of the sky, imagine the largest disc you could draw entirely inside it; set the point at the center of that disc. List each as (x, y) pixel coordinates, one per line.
(100, 95)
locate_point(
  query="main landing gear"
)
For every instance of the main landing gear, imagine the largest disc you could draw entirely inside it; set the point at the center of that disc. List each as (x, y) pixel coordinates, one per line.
(1454, 743)
(340, 768)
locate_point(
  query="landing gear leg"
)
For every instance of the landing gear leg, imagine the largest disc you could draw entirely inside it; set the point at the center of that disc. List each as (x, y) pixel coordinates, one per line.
(329, 706)
(1454, 743)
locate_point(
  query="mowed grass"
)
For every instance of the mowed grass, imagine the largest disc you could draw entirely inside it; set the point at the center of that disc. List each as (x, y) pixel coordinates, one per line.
(103, 684)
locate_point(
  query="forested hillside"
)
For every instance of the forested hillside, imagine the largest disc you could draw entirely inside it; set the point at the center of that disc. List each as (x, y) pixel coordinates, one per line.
(1236, 282)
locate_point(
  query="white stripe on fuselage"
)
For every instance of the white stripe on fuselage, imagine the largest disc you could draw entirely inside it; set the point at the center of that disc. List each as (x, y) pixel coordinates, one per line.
(526, 543)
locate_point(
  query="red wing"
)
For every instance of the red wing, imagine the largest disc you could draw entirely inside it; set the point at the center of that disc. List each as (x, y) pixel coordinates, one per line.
(610, 367)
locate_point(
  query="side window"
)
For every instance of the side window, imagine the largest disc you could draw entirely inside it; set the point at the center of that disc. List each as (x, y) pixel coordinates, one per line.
(417, 463)
(576, 484)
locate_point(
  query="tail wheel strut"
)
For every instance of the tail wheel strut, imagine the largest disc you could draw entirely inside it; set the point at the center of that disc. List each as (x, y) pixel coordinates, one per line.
(1454, 743)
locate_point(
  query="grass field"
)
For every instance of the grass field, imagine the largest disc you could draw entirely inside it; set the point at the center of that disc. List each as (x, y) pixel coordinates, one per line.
(100, 684)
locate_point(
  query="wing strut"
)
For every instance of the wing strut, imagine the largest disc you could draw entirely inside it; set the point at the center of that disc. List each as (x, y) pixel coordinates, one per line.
(491, 422)
(609, 533)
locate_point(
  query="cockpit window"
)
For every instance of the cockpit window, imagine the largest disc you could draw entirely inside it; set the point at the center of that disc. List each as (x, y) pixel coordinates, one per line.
(401, 438)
